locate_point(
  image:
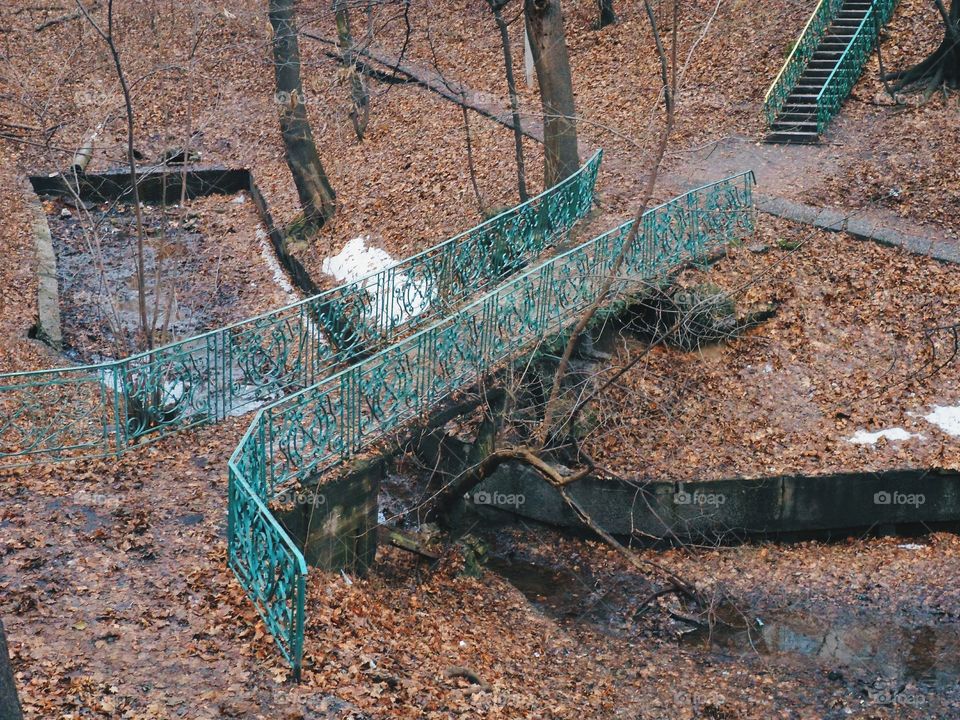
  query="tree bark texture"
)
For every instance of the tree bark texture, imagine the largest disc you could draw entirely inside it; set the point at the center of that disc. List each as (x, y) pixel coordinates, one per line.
(550, 58)
(317, 197)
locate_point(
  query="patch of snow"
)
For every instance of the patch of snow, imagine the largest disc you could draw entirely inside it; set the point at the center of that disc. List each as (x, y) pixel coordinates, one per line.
(242, 408)
(357, 261)
(173, 393)
(111, 378)
(862, 437)
(945, 417)
(911, 546)
(270, 258)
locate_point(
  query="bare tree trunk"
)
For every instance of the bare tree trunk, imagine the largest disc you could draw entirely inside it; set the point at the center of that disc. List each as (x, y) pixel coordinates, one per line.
(548, 43)
(668, 81)
(607, 15)
(108, 39)
(942, 67)
(317, 198)
(9, 702)
(481, 206)
(496, 7)
(359, 96)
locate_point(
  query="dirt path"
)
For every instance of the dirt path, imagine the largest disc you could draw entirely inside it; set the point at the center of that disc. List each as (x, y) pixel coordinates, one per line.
(786, 174)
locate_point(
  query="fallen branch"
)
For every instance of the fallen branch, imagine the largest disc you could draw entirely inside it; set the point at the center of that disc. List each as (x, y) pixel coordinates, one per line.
(69, 17)
(672, 589)
(452, 91)
(406, 542)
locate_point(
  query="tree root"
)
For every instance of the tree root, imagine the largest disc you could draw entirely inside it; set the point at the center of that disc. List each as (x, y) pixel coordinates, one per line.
(455, 671)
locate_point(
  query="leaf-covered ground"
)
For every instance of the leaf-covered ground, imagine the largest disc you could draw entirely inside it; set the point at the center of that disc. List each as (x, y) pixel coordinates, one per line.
(857, 344)
(113, 581)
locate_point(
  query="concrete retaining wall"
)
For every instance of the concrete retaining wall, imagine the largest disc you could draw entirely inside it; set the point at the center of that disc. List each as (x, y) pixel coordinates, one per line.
(783, 504)
(155, 186)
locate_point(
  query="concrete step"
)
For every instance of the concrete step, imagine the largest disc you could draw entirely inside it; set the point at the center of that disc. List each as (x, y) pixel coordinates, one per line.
(847, 25)
(792, 138)
(808, 126)
(795, 118)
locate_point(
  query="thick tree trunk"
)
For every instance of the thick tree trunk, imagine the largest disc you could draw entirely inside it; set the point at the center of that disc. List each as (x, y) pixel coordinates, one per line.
(9, 702)
(360, 112)
(548, 43)
(316, 195)
(607, 15)
(496, 7)
(943, 65)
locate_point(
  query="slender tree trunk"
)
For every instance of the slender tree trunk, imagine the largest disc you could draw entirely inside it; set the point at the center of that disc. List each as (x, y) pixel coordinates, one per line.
(943, 65)
(496, 7)
(9, 702)
(548, 43)
(317, 198)
(359, 96)
(607, 15)
(108, 38)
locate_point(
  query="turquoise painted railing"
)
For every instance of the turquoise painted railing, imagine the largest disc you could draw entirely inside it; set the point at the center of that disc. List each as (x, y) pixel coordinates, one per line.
(100, 410)
(314, 430)
(850, 66)
(799, 57)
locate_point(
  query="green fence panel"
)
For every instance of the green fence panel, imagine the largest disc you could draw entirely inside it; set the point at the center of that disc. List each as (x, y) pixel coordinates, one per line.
(849, 68)
(318, 428)
(99, 410)
(799, 57)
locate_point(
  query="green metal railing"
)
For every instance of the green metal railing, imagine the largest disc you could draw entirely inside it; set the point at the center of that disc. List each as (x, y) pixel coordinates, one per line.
(318, 428)
(101, 410)
(799, 57)
(850, 66)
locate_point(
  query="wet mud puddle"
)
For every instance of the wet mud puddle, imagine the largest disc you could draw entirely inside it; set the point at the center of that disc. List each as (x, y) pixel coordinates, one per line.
(904, 661)
(889, 662)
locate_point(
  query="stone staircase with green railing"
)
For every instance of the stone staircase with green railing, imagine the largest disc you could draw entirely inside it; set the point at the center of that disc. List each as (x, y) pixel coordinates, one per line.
(822, 68)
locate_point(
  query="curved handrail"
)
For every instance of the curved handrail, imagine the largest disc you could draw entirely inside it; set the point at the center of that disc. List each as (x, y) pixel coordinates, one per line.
(849, 67)
(793, 52)
(793, 67)
(102, 409)
(320, 427)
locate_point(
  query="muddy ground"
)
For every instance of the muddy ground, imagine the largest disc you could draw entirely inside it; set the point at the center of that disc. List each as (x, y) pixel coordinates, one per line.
(206, 264)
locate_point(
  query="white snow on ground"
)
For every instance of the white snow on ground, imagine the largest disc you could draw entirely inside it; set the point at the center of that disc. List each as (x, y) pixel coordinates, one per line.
(945, 417)
(357, 261)
(270, 258)
(862, 437)
(243, 407)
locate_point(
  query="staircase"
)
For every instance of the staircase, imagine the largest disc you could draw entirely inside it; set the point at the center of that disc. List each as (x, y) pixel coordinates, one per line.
(797, 121)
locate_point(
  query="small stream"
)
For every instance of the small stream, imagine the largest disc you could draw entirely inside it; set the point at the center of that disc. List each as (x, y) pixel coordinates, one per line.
(899, 661)
(903, 662)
